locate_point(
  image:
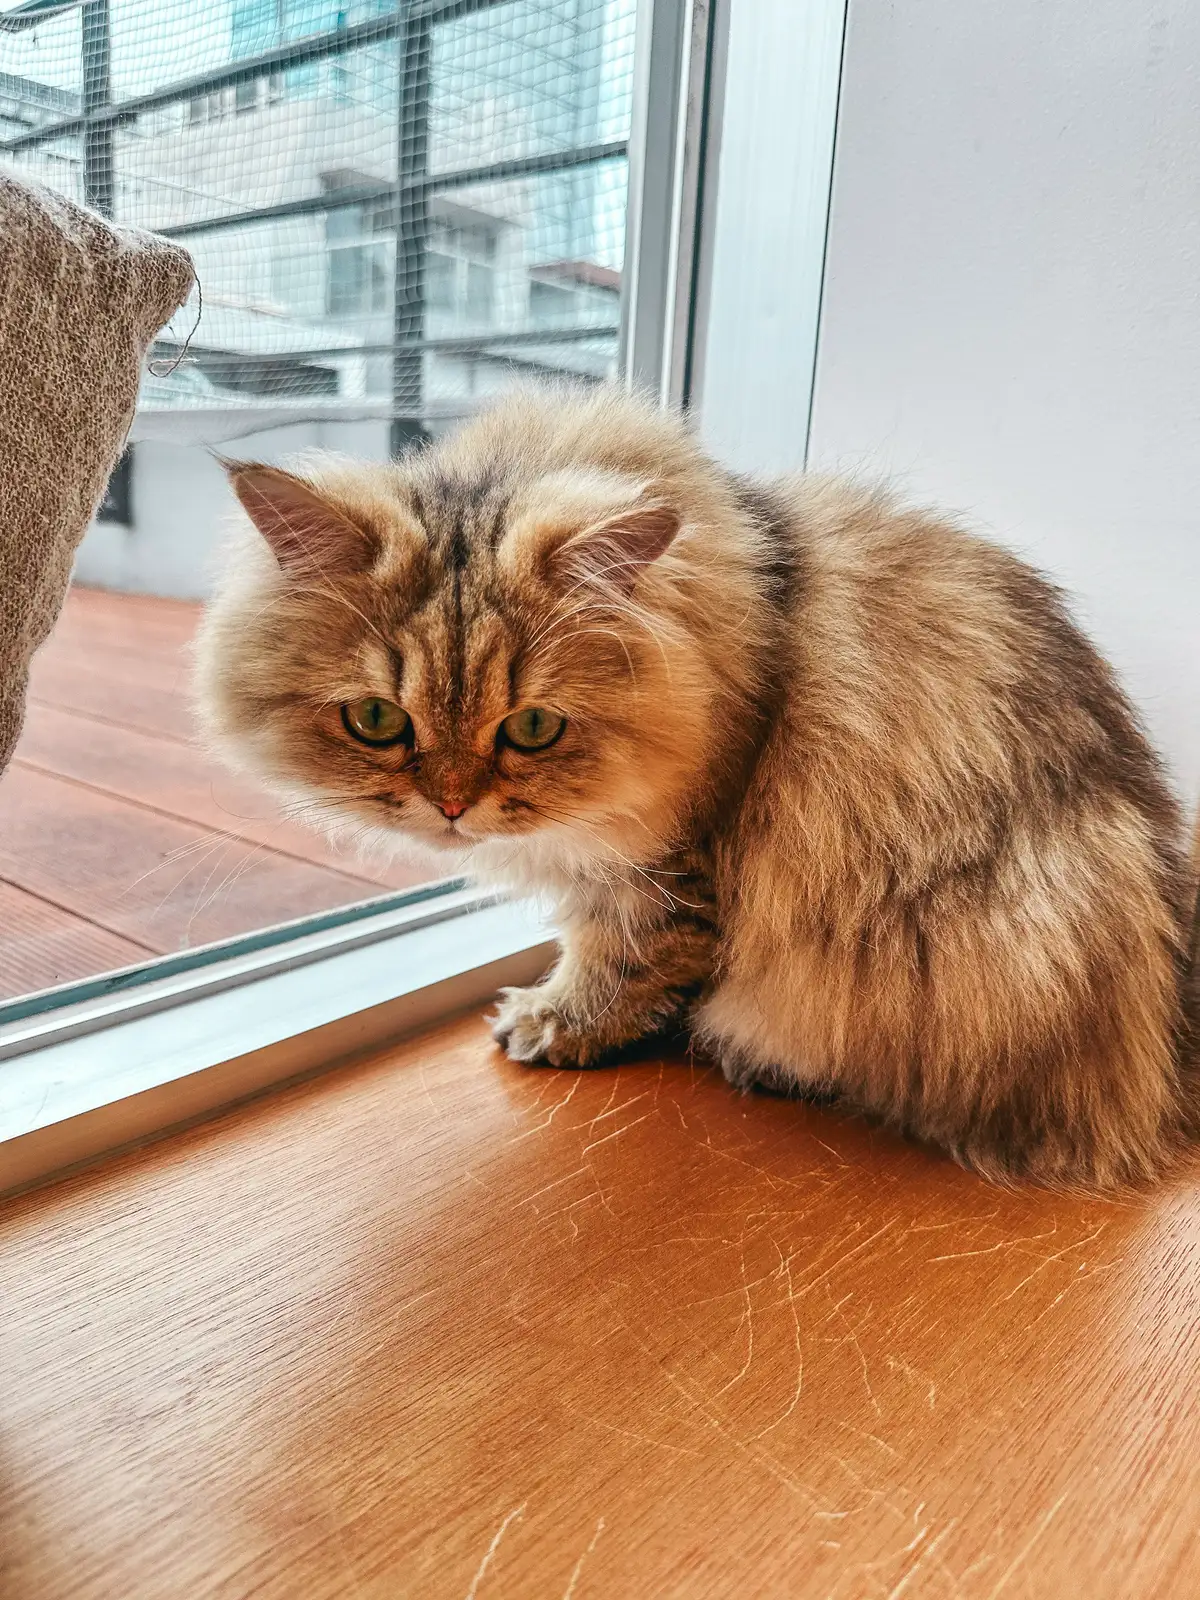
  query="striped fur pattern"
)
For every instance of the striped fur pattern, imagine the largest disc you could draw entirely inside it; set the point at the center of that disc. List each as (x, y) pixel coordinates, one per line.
(842, 789)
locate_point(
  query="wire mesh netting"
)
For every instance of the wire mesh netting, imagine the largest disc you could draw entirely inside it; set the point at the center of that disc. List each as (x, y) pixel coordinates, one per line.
(394, 206)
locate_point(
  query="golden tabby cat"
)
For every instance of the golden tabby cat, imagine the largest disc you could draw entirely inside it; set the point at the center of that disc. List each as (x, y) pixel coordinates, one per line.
(835, 784)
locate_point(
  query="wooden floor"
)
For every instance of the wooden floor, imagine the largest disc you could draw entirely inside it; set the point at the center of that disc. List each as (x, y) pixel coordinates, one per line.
(119, 838)
(439, 1326)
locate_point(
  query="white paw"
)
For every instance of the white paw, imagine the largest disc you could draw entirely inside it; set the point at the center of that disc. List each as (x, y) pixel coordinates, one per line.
(530, 1028)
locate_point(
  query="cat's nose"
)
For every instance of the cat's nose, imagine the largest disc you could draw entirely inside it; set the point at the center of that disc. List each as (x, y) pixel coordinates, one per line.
(451, 809)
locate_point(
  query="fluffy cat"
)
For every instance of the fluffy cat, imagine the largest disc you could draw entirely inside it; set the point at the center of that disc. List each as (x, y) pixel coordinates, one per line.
(832, 782)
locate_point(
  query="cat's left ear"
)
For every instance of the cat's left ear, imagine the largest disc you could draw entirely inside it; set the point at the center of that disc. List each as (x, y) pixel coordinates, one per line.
(598, 528)
(615, 550)
(310, 537)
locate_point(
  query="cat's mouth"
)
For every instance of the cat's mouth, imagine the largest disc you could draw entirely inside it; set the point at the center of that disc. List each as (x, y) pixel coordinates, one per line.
(427, 820)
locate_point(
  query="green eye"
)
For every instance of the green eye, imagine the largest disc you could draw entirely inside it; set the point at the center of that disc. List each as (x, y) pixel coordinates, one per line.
(535, 728)
(378, 722)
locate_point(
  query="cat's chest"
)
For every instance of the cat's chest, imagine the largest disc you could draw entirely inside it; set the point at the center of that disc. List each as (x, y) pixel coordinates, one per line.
(604, 882)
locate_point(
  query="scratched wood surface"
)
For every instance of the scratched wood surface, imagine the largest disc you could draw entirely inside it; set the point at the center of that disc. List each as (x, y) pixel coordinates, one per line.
(435, 1325)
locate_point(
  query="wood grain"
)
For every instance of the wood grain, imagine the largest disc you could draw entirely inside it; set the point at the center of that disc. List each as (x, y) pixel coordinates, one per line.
(436, 1325)
(105, 617)
(155, 707)
(42, 945)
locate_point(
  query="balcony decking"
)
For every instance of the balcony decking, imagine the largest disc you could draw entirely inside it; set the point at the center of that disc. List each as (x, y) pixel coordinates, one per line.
(120, 839)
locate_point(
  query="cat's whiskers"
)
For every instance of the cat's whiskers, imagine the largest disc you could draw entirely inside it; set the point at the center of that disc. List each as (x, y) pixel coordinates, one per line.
(202, 848)
(602, 600)
(330, 592)
(588, 633)
(218, 851)
(621, 975)
(606, 599)
(604, 606)
(227, 883)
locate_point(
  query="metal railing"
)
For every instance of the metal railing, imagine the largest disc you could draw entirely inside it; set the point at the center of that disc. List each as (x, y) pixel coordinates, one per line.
(411, 24)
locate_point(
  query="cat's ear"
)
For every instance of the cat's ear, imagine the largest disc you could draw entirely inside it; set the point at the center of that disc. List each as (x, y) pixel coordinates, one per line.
(613, 552)
(310, 537)
(626, 526)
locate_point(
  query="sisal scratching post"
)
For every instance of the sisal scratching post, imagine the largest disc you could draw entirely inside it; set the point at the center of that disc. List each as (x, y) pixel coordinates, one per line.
(80, 301)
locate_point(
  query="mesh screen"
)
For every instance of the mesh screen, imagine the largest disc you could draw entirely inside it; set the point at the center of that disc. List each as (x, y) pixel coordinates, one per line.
(394, 206)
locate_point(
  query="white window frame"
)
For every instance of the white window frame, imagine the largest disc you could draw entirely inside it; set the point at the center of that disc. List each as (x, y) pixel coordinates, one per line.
(764, 223)
(81, 1080)
(140, 1054)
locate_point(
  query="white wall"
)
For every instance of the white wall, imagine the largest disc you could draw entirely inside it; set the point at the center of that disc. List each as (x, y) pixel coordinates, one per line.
(1012, 302)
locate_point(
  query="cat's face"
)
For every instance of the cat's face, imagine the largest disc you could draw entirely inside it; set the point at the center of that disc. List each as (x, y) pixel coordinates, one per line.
(456, 656)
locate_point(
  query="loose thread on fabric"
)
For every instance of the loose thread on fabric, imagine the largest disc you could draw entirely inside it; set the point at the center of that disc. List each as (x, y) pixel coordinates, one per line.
(165, 372)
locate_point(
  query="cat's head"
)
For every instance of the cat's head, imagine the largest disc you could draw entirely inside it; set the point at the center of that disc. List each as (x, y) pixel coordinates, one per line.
(486, 642)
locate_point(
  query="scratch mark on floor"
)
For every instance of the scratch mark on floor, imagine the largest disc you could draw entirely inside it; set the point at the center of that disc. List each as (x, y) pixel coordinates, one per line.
(638, 1438)
(926, 1554)
(694, 1395)
(1028, 1545)
(896, 1365)
(873, 1438)
(607, 1107)
(840, 1159)
(616, 1134)
(579, 1564)
(566, 1100)
(786, 1267)
(1003, 1244)
(514, 1515)
(545, 1189)
(954, 1222)
(849, 1256)
(852, 1336)
(1075, 1244)
(748, 1322)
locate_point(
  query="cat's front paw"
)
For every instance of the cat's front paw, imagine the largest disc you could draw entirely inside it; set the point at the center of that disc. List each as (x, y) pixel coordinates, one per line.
(530, 1027)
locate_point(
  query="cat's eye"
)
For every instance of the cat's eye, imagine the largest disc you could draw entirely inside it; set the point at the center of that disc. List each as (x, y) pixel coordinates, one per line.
(378, 722)
(535, 728)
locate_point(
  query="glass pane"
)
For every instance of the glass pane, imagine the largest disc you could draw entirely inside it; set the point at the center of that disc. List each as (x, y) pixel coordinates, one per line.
(314, 156)
(261, 142)
(526, 78)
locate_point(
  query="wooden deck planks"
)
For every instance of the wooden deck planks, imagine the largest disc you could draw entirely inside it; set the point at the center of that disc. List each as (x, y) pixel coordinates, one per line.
(148, 876)
(42, 945)
(175, 776)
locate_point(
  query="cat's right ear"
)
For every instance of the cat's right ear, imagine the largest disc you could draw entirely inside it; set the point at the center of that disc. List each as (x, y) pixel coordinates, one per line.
(309, 537)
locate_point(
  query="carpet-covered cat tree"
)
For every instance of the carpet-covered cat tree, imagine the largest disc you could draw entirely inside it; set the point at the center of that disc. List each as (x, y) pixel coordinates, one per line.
(80, 301)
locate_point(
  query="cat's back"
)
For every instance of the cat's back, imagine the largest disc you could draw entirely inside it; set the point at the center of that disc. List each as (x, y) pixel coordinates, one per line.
(927, 672)
(902, 602)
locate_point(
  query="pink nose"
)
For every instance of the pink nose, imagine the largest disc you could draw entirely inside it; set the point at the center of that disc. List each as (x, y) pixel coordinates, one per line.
(450, 808)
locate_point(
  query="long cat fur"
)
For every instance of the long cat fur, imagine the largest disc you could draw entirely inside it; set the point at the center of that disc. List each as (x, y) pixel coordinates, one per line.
(842, 787)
